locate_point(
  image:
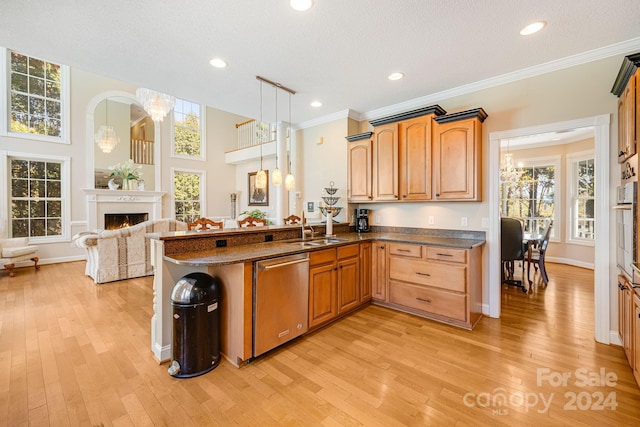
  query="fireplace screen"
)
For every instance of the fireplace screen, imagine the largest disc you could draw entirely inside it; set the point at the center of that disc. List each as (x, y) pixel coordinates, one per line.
(123, 220)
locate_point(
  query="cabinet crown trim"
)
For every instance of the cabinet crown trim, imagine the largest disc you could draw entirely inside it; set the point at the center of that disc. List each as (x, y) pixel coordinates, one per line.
(433, 109)
(476, 113)
(629, 66)
(358, 137)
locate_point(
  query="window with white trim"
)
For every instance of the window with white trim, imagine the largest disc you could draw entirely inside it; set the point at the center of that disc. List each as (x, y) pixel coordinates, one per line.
(188, 129)
(37, 98)
(582, 198)
(38, 206)
(533, 195)
(188, 194)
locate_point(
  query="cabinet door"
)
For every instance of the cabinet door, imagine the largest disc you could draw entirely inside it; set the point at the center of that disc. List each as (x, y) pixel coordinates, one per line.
(415, 158)
(365, 272)
(621, 309)
(359, 171)
(385, 162)
(627, 332)
(348, 284)
(379, 269)
(629, 143)
(622, 131)
(322, 294)
(456, 160)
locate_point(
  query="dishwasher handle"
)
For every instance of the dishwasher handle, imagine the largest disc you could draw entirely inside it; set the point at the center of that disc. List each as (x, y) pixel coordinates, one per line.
(282, 264)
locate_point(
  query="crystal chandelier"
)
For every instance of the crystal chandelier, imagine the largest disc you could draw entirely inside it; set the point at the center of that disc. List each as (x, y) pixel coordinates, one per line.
(156, 104)
(106, 137)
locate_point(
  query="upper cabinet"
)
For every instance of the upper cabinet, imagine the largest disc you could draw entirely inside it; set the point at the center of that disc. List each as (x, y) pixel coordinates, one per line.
(457, 154)
(419, 155)
(627, 88)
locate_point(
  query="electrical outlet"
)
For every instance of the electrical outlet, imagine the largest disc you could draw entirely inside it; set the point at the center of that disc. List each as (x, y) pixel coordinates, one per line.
(431, 220)
(463, 221)
(378, 219)
(485, 222)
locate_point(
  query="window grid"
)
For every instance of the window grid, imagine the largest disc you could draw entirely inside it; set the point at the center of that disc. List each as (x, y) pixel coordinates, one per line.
(36, 198)
(583, 219)
(36, 102)
(187, 191)
(187, 137)
(531, 197)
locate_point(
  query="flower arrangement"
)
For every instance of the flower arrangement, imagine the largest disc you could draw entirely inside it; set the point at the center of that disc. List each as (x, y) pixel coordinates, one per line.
(126, 170)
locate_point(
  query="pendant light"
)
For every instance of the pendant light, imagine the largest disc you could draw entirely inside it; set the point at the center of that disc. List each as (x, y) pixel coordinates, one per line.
(276, 176)
(289, 181)
(261, 175)
(106, 137)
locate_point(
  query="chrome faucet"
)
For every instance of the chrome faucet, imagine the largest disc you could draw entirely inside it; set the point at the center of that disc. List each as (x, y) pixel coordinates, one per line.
(306, 232)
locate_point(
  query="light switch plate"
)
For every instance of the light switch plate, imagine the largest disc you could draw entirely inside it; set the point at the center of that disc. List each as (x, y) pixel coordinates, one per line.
(431, 220)
(463, 221)
(485, 222)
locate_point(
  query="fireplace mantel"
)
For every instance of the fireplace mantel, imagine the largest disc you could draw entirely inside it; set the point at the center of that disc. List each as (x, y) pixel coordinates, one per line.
(120, 201)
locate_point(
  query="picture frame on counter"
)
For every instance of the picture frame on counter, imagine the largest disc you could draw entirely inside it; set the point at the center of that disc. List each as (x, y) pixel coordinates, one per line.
(257, 196)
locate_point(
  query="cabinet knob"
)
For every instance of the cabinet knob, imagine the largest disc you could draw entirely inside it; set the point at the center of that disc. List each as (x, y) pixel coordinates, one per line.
(437, 194)
(404, 195)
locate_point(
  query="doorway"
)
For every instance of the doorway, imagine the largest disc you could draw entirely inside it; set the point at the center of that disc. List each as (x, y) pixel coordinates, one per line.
(603, 244)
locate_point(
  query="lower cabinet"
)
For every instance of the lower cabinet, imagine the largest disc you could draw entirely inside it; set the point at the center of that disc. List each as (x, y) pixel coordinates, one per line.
(365, 271)
(629, 324)
(379, 282)
(335, 285)
(636, 338)
(443, 284)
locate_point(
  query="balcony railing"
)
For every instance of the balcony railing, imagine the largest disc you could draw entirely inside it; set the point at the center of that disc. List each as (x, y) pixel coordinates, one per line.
(141, 151)
(253, 132)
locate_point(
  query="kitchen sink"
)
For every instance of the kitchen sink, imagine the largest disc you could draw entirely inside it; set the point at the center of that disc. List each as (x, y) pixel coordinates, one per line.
(321, 241)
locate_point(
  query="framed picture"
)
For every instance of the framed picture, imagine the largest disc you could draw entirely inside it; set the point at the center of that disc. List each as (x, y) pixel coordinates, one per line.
(258, 196)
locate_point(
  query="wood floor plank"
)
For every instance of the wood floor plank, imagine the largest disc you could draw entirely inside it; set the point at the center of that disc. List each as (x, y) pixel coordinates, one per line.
(76, 353)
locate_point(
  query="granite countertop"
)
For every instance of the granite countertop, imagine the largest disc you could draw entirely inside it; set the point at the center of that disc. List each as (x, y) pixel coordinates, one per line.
(259, 251)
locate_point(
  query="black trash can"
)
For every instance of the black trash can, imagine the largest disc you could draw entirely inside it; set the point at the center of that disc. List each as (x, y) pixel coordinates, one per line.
(196, 325)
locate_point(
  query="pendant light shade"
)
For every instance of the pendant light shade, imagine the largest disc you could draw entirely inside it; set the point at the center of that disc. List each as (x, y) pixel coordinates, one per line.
(106, 137)
(261, 179)
(290, 182)
(157, 104)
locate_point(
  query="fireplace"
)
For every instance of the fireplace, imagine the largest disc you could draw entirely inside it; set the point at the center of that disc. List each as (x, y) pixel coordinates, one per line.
(114, 221)
(101, 202)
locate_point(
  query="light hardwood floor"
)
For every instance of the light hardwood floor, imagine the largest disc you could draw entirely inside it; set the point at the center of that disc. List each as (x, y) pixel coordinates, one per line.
(73, 353)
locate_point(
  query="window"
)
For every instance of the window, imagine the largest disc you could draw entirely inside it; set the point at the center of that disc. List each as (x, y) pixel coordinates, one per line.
(188, 130)
(37, 200)
(582, 193)
(532, 195)
(37, 96)
(188, 194)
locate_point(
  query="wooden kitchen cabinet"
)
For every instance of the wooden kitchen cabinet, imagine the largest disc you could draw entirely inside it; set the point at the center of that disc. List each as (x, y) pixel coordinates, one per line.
(627, 332)
(415, 158)
(359, 174)
(629, 324)
(442, 284)
(457, 155)
(636, 338)
(334, 283)
(379, 278)
(627, 89)
(366, 272)
(385, 162)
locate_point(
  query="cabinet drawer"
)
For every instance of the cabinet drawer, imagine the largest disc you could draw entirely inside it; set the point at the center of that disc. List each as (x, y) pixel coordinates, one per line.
(322, 257)
(446, 254)
(413, 251)
(434, 301)
(348, 251)
(445, 276)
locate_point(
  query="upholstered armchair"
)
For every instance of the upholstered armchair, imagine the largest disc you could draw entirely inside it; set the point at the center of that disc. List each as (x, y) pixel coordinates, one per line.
(14, 250)
(124, 253)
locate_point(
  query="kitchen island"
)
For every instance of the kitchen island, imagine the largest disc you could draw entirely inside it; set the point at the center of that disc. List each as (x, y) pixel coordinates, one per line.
(230, 254)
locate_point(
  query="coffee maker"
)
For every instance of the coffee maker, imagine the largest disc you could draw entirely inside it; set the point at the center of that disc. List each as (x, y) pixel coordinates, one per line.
(362, 220)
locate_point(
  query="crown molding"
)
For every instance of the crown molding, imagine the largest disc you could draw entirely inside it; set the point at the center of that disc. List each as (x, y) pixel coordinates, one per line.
(344, 114)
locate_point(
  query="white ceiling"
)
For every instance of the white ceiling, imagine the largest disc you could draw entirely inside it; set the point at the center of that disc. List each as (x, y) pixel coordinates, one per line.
(340, 52)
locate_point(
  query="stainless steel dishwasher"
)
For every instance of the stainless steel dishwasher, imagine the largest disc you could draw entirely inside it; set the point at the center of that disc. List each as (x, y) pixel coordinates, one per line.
(280, 301)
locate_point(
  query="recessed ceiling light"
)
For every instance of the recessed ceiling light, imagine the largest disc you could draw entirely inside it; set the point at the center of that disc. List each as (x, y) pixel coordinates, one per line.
(532, 28)
(395, 76)
(316, 104)
(301, 5)
(218, 63)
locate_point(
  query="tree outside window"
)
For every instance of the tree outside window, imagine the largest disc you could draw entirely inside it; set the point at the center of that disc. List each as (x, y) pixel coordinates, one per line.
(35, 96)
(583, 218)
(36, 198)
(187, 191)
(187, 136)
(531, 197)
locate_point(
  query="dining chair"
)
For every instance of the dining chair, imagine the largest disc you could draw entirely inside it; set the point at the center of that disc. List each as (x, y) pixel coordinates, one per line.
(536, 257)
(250, 221)
(201, 224)
(512, 249)
(292, 219)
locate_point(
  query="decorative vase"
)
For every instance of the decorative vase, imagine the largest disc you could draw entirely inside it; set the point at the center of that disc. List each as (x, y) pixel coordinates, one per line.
(126, 184)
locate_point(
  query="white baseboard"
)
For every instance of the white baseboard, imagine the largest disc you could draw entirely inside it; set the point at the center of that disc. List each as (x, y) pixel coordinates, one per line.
(572, 262)
(614, 338)
(42, 261)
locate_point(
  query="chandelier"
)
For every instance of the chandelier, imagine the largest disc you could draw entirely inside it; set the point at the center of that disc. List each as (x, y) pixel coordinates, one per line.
(156, 104)
(106, 137)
